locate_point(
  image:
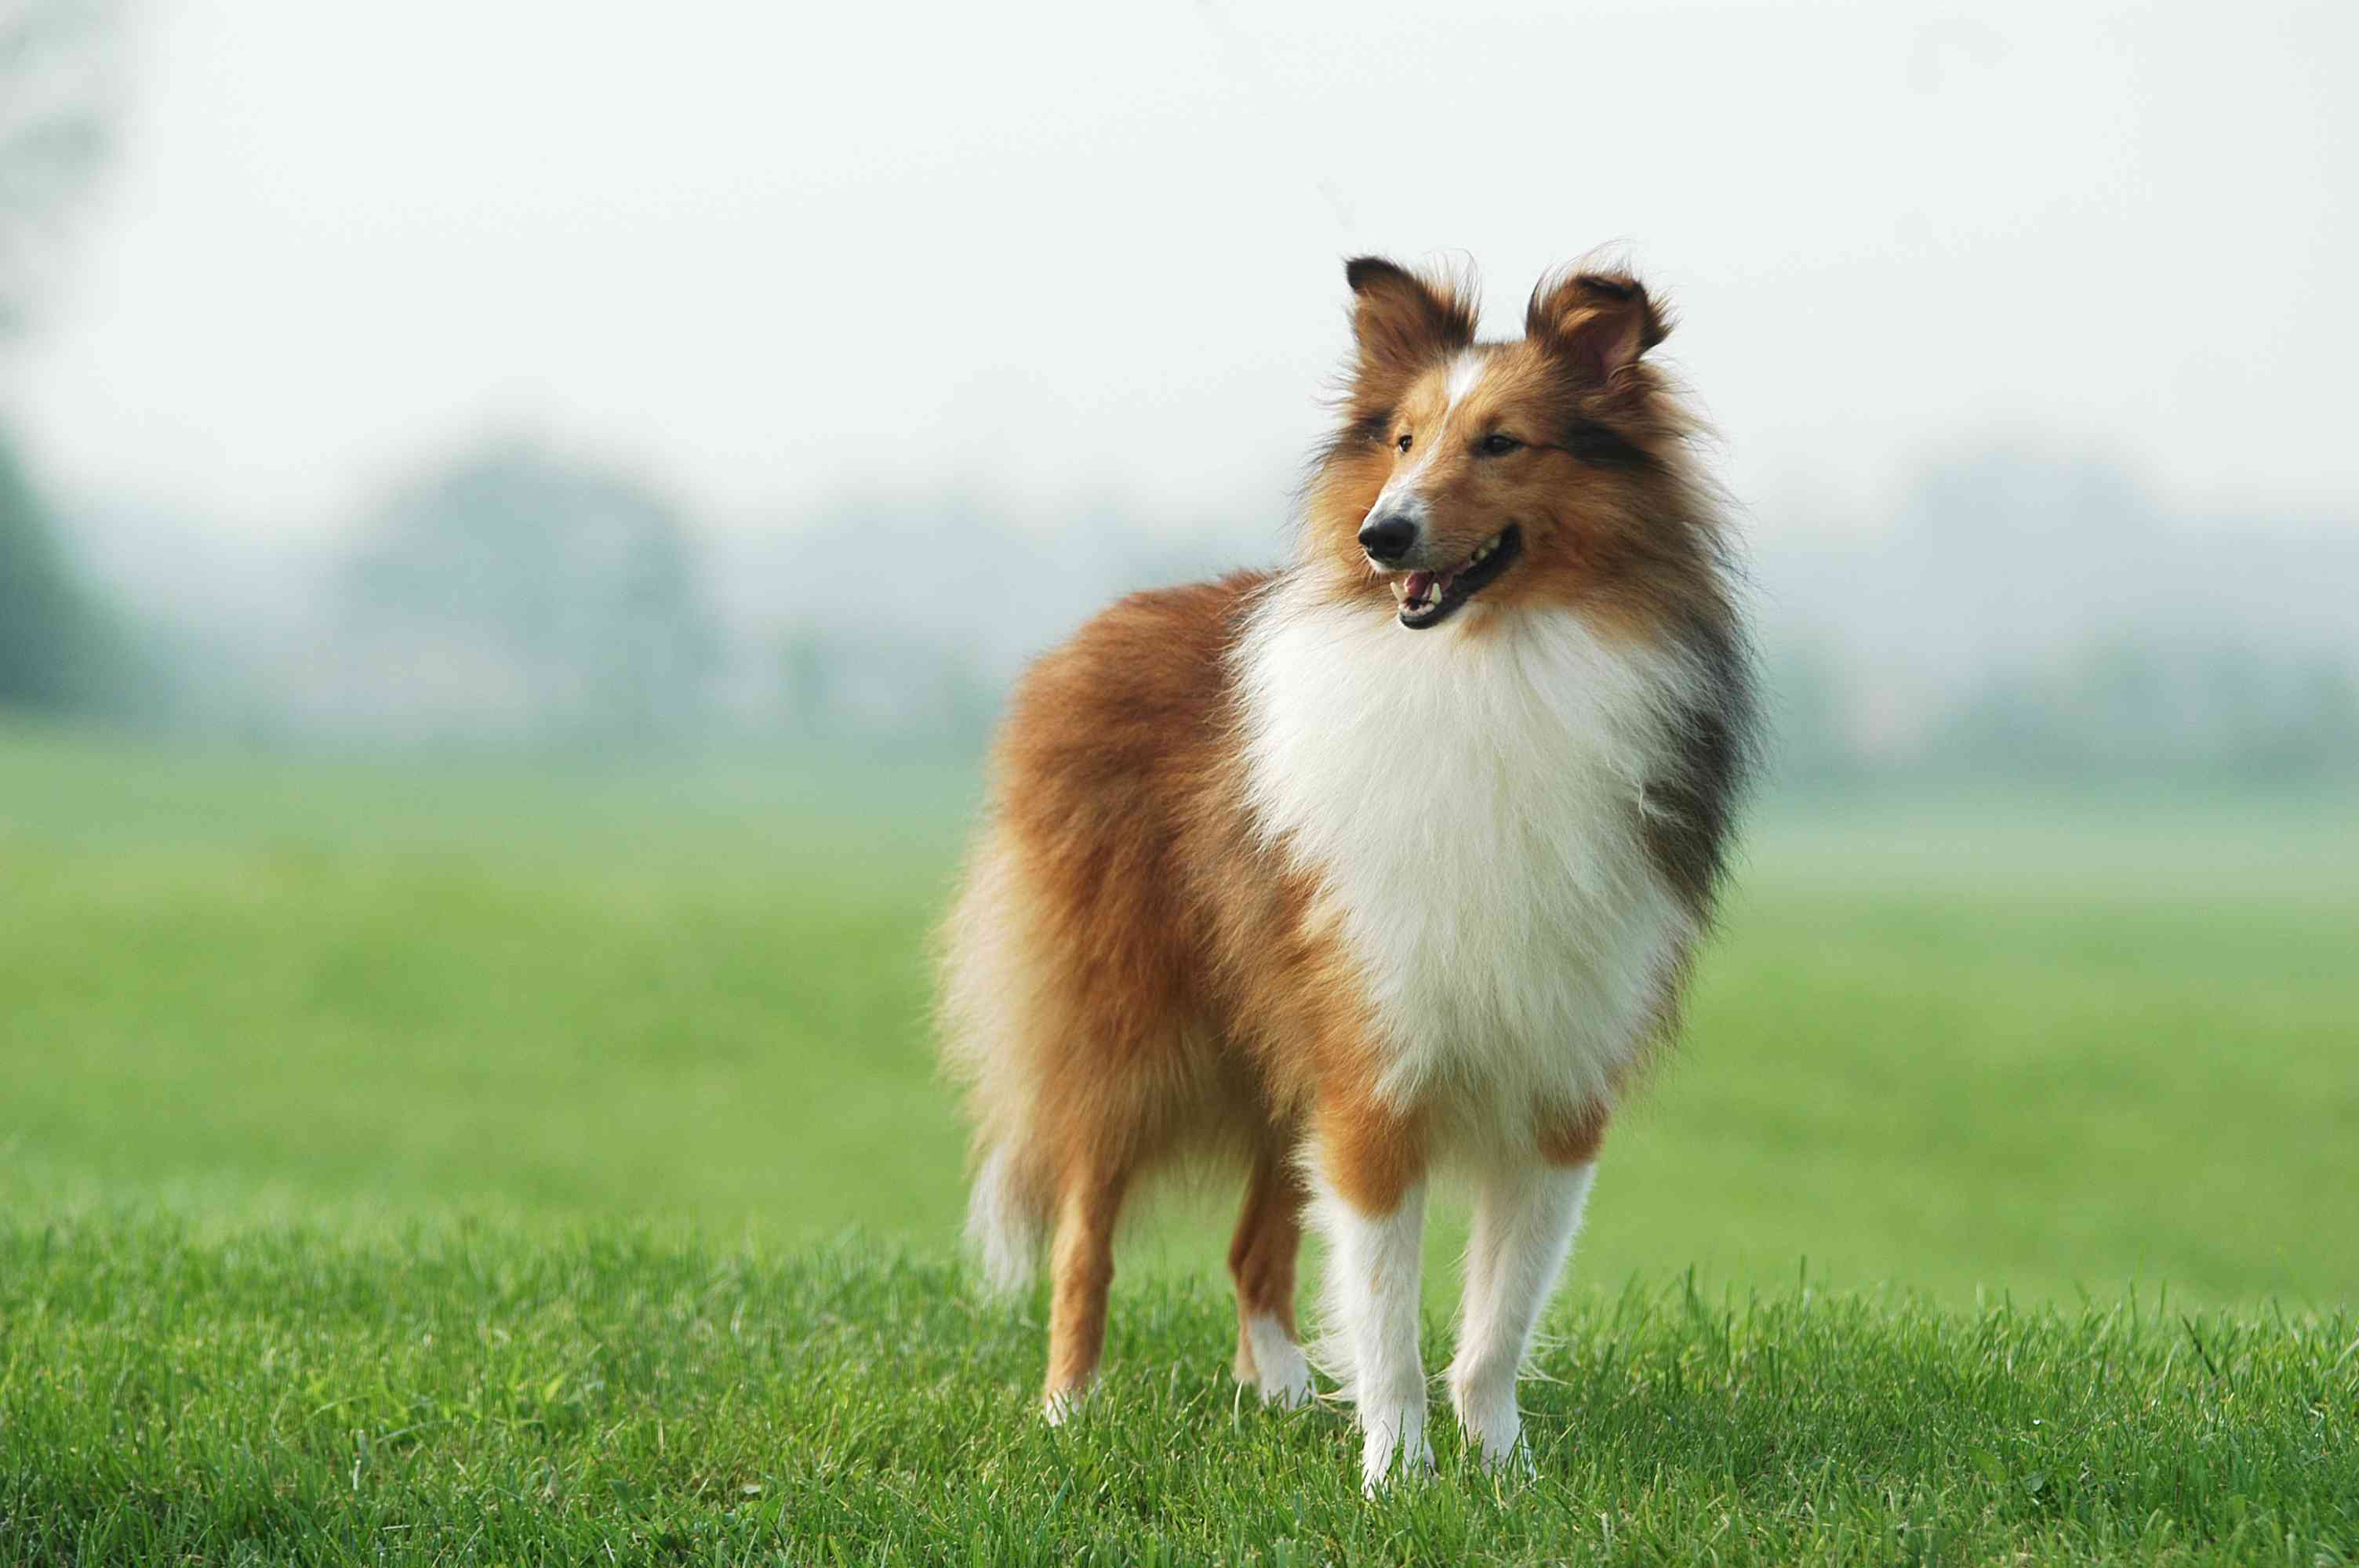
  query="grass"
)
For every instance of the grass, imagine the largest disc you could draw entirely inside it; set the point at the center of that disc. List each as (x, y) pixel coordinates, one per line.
(462, 1394)
(456, 1163)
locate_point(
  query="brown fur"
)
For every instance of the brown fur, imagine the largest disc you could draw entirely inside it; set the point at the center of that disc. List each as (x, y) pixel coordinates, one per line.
(1268, 1241)
(1131, 975)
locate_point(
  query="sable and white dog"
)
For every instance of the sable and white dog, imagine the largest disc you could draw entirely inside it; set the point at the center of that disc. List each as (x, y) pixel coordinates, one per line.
(1392, 860)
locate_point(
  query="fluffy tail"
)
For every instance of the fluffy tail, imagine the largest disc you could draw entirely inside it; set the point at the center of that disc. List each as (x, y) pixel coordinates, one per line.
(1006, 1222)
(991, 1019)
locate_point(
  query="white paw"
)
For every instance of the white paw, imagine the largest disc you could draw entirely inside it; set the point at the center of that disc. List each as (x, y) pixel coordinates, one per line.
(1495, 1429)
(1287, 1391)
(1064, 1405)
(1282, 1373)
(1393, 1446)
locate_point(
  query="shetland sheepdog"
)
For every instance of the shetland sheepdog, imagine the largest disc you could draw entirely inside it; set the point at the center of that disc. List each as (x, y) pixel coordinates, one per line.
(1388, 862)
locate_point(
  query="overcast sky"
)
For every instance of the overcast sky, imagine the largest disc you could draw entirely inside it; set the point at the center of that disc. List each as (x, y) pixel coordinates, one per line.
(774, 253)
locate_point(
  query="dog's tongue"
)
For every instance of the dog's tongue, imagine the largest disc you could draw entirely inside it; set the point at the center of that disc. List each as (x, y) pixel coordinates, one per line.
(1417, 584)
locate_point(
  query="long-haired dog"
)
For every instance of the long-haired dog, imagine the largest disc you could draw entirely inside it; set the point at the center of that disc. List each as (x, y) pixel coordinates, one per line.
(1394, 859)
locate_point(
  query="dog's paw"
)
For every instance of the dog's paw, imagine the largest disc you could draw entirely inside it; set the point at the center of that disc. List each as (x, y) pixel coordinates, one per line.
(1274, 1365)
(1285, 1375)
(1493, 1427)
(1393, 1449)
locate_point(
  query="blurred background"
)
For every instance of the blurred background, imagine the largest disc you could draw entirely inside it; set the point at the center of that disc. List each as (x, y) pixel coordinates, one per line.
(516, 520)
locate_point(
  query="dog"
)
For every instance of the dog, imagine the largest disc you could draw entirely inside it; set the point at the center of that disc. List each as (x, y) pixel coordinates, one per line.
(1391, 861)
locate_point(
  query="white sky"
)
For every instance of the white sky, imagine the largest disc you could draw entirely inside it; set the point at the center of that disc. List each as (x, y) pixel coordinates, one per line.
(774, 253)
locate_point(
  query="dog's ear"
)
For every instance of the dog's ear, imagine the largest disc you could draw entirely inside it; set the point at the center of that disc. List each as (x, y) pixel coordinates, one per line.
(1598, 322)
(1403, 321)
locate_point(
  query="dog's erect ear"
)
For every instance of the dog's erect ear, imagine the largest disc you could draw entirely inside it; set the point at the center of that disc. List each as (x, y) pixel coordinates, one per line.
(1600, 322)
(1403, 320)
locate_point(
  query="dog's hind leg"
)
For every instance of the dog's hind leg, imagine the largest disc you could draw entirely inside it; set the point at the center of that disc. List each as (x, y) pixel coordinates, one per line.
(1261, 1262)
(1080, 1271)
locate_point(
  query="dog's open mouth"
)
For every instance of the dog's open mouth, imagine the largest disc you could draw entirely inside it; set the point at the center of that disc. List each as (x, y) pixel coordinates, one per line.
(1429, 599)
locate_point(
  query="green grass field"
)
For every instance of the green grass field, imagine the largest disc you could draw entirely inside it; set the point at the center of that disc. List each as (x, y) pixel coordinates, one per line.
(484, 1164)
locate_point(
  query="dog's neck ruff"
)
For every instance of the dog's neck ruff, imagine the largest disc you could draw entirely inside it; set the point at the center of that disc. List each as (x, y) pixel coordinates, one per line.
(1470, 808)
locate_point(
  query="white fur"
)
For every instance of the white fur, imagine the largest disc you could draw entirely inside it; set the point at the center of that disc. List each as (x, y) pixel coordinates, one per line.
(1471, 808)
(1465, 374)
(1005, 1234)
(1281, 1371)
(1372, 1326)
(1527, 1214)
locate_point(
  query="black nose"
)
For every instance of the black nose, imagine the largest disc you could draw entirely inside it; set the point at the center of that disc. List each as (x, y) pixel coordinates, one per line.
(1388, 539)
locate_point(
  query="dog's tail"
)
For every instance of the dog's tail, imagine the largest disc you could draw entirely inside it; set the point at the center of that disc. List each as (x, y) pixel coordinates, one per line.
(1007, 1220)
(990, 1020)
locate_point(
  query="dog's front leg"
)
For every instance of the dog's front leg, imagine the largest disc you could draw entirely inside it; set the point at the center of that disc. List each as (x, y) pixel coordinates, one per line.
(1370, 1194)
(1527, 1206)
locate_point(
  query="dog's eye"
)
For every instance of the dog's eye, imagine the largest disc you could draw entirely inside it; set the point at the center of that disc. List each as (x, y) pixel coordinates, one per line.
(1495, 443)
(1403, 442)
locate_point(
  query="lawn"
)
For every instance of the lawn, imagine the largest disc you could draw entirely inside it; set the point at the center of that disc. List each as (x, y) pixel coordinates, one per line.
(494, 1163)
(455, 1393)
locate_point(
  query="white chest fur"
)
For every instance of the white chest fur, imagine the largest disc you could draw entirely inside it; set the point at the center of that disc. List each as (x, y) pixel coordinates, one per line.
(1470, 805)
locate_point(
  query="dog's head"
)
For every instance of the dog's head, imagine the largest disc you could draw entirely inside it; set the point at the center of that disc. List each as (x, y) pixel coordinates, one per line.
(1476, 476)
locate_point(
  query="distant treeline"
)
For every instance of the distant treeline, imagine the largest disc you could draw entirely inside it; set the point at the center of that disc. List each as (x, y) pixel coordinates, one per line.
(2026, 617)
(2129, 707)
(2034, 613)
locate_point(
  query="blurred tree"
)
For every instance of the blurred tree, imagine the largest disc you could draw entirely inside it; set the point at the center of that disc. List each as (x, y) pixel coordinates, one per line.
(56, 651)
(518, 588)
